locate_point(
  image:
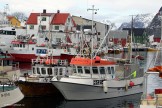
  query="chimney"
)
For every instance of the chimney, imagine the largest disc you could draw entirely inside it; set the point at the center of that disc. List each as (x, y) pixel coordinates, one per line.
(44, 10)
(58, 11)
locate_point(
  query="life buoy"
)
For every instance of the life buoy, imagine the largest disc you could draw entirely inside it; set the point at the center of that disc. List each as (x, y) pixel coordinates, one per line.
(64, 50)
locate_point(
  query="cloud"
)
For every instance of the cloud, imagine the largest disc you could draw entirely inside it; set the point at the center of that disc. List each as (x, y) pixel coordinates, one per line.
(114, 10)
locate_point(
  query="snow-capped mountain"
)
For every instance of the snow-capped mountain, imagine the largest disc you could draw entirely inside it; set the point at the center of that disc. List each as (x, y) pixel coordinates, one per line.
(139, 21)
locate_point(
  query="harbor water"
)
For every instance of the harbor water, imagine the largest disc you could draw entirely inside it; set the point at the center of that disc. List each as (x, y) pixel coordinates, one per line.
(131, 101)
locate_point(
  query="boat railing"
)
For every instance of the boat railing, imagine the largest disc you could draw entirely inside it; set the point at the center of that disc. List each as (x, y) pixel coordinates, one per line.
(50, 62)
(152, 100)
(6, 84)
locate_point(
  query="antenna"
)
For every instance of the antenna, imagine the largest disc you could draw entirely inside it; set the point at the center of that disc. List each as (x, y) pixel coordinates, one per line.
(130, 43)
(6, 8)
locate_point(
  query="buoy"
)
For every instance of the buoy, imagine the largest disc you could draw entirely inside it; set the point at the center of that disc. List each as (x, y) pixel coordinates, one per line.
(131, 83)
(105, 87)
(126, 87)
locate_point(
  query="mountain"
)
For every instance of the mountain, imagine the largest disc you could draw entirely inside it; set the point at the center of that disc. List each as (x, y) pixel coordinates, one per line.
(155, 26)
(139, 21)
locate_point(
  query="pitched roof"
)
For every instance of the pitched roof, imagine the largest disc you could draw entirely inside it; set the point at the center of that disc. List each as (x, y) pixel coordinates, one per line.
(10, 17)
(60, 18)
(33, 17)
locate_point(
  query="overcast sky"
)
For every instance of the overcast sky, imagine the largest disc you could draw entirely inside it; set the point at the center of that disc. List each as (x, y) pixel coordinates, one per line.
(114, 10)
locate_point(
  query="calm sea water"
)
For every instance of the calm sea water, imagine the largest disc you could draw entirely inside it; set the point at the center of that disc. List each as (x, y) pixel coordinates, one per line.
(131, 101)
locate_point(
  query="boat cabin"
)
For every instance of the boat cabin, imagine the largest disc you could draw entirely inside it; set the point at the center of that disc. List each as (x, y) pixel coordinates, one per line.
(23, 42)
(94, 68)
(49, 67)
(8, 31)
(6, 63)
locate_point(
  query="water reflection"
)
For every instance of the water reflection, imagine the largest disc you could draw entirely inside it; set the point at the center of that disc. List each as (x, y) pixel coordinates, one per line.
(131, 101)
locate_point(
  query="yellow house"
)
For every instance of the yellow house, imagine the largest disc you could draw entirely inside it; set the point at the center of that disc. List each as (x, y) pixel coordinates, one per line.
(13, 21)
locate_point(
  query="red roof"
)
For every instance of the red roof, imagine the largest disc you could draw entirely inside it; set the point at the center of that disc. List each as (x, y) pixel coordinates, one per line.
(59, 18)
(33, 17)
(10, 17)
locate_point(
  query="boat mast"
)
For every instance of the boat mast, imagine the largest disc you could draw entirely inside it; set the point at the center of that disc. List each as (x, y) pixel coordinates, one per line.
(92, 32)
(93, 10)
(130, 44)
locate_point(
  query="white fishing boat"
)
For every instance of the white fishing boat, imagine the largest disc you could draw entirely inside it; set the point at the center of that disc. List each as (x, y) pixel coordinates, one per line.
(9, 93)
(99, 79)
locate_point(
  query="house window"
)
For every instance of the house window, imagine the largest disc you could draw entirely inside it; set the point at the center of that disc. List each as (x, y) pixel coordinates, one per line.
(43, 27)
(31, 26)
(58, 40)
(69, 20)
(43, 18)
(56, 27)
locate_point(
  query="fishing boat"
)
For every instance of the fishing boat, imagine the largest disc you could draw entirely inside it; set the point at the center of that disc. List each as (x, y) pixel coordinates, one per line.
(9, 93)
(99, 79)
(37, 82)
(25, 48)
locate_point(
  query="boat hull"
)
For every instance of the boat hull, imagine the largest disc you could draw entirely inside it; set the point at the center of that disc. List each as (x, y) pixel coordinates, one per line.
(37, 89)
(10, 97)
(74, 91)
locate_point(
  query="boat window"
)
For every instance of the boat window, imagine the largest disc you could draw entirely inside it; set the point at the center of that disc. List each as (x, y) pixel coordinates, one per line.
(23, 45)
(38, 71)
(56, 71)
(87, 70)
(74, 69)
(80, 69)
(43, 70)
(60, 72)
(102, 70)
(95, 70)
(20, 45)
(109, 70)
(49, 71)
(4, 63)
(34, 70)
(112, 70)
